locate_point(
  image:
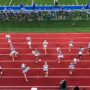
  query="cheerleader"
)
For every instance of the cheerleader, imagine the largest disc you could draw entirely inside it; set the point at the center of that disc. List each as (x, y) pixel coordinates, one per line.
(75, 60)
(45, 44)
(8, 37)
(13, 53)
(36, 53)
(80, 53)
(29, 42)
(71, 67)
(58, 50)
(88, 48)
(1, 70)
(25, 69)
(60, 56)
(71, 43)
(45, 69)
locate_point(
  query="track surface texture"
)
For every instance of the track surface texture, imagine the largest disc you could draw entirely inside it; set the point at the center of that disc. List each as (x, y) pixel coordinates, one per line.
(12, 78)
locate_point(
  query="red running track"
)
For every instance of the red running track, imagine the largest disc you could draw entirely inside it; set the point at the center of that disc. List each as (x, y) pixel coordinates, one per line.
(12, 78)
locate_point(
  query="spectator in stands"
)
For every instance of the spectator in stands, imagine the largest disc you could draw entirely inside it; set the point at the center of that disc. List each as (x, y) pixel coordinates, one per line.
(45, 44)
(45, 69)
(88, 48)
(60, 55)
(63, 85)
(29, 41)
(13, 53)
(55, 2)
(25, 69)
(1, 70)
(71, 67)
(76, 88)
(36, 53)
(71, 43)
(80, 53)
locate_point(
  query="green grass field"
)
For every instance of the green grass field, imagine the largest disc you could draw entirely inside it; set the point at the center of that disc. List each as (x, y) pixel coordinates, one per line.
(42, 2)
(44, 26)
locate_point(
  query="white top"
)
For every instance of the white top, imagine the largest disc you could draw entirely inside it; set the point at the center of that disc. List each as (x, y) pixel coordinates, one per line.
(45, 67)
(34, 89)
(45, 43)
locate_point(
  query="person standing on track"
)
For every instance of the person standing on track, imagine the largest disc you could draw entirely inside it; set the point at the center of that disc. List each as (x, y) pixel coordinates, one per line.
(25, 69)
(88, 48)
(8, 37)
(1, 70)
(71, 44)
(36, 53)
(71, 67)
(29, 42)
(80, 53)
(45, 44)
(45, 69)
(75, 60)
(13, 53)
(60, 55)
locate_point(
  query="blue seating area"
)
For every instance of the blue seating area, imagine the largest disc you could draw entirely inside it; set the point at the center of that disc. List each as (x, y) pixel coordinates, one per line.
(42, 8)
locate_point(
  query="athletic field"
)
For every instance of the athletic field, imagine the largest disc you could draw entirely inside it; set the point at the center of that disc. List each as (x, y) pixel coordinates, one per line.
(43, 2)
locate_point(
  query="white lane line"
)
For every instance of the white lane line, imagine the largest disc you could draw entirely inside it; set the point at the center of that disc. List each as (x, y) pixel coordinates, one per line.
(49, 68)
(74, 77)
(40, 86)
(20, 61)
(10, 2)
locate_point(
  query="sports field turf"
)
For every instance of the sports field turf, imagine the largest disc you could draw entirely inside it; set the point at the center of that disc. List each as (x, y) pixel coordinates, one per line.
(42, 2)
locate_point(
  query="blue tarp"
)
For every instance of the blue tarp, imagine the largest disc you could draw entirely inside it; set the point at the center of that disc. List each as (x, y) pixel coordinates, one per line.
(79, 7)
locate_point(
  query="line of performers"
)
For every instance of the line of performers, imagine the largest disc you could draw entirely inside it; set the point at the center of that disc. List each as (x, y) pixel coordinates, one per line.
(36, 53)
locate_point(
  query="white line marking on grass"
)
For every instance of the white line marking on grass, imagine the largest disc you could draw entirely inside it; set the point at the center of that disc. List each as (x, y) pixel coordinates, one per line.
(10, 2)
(76, 2)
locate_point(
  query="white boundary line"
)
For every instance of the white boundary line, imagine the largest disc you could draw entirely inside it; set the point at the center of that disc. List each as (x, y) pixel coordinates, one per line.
(10, 2)
(49, 68)
(20, 61)
(76, 2)
(41, 42)
(43, 54)
(40, 86)
(73, 77)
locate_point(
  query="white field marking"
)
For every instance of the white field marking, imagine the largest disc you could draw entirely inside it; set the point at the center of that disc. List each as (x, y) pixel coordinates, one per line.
(49, 68)
(42, 48)
(40, 86)
(46, 33)
(80, 77)
(20, 61)
(52, 42)
(42, 54)
(24, 38)
(76, 2)
(10, 2)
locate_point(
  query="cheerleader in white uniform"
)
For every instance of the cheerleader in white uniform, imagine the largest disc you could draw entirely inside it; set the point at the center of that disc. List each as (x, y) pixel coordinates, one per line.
(45, 69)
(80, 53)
(29, 42)
(45, 44)
(1, 70)
(13, 53)
(8, 37)
(36, 53)
(25, 69)
(88, 48)
(71, 67)
(71, 44)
